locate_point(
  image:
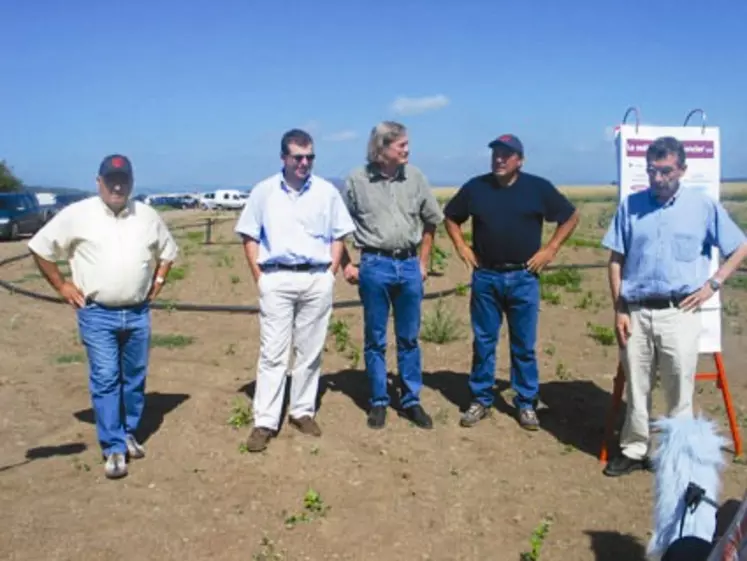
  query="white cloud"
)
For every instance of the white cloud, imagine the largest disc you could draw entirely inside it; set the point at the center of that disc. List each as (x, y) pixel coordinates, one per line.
(415, 105)
(341, 136)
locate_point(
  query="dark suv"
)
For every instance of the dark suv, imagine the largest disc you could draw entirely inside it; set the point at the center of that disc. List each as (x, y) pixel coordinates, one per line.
(19, 214)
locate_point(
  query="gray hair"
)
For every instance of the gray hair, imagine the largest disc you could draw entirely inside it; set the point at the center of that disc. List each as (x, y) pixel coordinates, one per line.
(382, 135)
(665, 146)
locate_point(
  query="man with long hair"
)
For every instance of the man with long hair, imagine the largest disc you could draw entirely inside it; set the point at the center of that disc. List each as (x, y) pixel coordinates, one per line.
(395, 215)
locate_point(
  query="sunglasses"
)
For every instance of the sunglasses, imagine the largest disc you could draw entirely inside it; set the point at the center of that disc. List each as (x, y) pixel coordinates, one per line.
(298, 158)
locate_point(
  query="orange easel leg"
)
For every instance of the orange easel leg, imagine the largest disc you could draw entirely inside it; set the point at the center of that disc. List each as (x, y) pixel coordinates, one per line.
(619, 385)
(724, 385)
(721, 382)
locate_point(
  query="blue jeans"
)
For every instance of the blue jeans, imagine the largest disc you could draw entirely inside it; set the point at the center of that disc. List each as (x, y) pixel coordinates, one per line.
(385, 282)
(117, 341)
(517, 294)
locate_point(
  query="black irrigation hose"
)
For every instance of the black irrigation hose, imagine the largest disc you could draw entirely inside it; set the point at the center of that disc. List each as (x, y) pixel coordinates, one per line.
(184, 306)
(189, 307)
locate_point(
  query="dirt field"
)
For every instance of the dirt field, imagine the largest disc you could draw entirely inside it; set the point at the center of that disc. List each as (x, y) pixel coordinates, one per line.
(398, 494)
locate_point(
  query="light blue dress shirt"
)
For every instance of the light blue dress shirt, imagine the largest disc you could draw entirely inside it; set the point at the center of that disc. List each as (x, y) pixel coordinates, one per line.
(667, 246)
(292, 227)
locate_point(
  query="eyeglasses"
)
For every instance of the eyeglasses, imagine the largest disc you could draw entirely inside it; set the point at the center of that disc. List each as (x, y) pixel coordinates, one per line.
(663, 170)
(298, 158)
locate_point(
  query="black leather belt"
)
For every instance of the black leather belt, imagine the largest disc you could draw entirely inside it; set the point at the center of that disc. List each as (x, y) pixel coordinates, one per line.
(89, 301)
(659, 303)
(391, 253)
(505, 267)
(289, 267)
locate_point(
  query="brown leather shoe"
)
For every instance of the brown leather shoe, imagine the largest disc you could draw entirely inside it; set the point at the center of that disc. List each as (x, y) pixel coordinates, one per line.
(258, 439)
(306, 425)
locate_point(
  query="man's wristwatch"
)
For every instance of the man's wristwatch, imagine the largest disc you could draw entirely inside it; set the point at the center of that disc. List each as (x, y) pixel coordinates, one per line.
(160, 280)
(715, 284)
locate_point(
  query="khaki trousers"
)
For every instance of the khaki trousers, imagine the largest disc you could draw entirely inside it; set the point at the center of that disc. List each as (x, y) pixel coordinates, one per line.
(295, 309)
(664, 340)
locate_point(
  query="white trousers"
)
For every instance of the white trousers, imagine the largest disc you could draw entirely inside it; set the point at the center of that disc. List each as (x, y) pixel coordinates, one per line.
(295, 308)
(664, 340)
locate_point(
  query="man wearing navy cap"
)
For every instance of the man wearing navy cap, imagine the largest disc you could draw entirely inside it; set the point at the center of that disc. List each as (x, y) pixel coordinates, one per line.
(507, 208)
(119, 252)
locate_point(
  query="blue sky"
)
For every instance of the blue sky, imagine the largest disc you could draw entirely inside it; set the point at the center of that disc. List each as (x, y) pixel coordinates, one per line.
(199, 92)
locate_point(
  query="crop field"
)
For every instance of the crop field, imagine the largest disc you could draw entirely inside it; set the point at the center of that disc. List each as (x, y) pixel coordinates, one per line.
(490, 492)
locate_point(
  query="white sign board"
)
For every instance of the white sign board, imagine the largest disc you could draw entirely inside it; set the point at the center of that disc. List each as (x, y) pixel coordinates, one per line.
(703, 151)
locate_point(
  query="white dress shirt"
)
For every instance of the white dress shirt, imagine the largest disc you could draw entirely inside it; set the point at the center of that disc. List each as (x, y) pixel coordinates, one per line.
(112, 258)
(295, 227)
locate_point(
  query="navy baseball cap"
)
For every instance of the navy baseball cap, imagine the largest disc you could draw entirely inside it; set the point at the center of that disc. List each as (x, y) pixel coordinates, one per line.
(115, 164)
(510, 142)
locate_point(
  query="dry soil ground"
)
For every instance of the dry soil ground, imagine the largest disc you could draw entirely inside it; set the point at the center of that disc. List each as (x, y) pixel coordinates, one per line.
(397, 494)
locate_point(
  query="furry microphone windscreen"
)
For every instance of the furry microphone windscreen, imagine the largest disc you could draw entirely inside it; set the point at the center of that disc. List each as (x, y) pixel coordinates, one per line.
(688, 451)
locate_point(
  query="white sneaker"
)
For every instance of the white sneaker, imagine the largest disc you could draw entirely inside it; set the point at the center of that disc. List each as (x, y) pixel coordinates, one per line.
(134, 448)
(116, 466)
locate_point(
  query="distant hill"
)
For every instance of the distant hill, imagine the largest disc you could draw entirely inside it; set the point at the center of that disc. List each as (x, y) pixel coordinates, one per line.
(336, 181)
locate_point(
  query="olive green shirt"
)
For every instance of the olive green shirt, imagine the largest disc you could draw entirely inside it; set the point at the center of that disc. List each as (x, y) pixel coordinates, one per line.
(390, 213)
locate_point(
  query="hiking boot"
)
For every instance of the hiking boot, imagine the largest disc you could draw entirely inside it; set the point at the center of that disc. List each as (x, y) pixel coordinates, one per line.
(473, 415)
(258, 439)
(306, 425)
(116, 466)
(417, 415)
(134, 448)
(528, 419)
(377, 417)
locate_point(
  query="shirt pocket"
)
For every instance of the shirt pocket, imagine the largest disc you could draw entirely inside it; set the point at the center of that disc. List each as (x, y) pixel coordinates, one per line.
(315, 221)
(686, 247)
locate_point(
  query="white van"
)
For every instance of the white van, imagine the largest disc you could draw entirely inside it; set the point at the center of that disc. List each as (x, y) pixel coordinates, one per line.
(223, 199)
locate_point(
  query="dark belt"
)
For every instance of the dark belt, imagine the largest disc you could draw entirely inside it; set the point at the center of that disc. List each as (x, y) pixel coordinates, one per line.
(289, 267)
(659, 303)
(90, 301)
(391, 253)
(504, 267)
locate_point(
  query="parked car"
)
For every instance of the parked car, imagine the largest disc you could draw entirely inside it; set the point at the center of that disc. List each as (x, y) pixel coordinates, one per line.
(224, 198)
(64, 199)
(47, 204)
(20, 214)
(172, 201)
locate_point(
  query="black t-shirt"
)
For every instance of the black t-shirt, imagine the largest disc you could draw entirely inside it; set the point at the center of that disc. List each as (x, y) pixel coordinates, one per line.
(507, 221)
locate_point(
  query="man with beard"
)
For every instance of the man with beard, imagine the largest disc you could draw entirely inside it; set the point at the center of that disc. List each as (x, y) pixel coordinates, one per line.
(660, 242)
(394, 211)
(508, 208)
(120, 252)
(293, 226)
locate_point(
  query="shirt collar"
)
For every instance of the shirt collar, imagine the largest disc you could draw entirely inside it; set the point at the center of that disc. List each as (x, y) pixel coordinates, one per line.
(669, 202)
(284, 186)
(128, 209)
(374, 172)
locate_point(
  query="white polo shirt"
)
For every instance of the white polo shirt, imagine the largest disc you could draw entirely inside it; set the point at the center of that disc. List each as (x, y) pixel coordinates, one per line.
(112, 258)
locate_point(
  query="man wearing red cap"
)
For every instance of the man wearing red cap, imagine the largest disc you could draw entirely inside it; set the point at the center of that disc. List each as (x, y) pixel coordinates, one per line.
(507, 208)
(119, 252)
